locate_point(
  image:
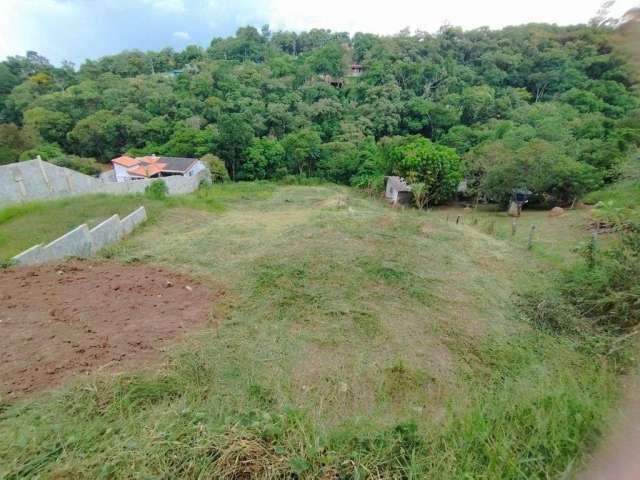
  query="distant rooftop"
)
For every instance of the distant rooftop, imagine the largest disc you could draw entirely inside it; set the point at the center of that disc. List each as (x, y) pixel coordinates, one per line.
(150, 165)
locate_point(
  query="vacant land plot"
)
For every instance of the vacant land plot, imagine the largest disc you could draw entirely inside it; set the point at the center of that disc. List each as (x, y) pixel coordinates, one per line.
(353, 341)
(78, 317)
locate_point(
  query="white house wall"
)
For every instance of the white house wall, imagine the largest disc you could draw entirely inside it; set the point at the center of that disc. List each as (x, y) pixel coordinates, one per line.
(196, 168)
(121, 173)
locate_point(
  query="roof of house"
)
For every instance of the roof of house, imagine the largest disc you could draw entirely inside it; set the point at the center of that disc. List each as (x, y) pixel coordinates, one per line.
(152, 164)
(399, 184)
(178, 164)
(125, 161)
(147, 170)
(149, 159)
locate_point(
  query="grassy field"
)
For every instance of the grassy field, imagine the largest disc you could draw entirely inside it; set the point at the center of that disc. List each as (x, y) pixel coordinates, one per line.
(24, 225)
(618, 203)
(353, 341)
(554, 238)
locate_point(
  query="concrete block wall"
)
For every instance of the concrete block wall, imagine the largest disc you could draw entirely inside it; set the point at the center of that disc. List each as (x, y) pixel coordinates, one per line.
(82, 242)
(130, 222)
(31, 256)
(37, 179)
(106, 233)
(76, 243)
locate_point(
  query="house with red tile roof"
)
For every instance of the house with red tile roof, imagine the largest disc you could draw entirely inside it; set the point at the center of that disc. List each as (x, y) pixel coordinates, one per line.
(126, 168)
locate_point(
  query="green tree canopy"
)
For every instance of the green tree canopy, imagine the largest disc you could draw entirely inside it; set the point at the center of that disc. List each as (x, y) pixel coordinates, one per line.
(438, 169)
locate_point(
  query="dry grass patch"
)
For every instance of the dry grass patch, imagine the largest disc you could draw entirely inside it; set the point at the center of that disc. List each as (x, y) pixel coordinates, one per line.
(357, 342)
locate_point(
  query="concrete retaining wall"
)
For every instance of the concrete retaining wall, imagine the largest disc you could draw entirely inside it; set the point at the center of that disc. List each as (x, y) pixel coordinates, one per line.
(76, 243)
(31, 256)
(37, 179)
(82, 242)
(108, 232)
(129, 222)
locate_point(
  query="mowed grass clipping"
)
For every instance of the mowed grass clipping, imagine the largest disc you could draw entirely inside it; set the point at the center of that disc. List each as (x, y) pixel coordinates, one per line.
(354, 341)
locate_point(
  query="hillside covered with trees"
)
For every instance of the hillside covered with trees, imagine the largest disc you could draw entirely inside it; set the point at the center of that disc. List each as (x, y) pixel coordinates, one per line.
(552, 109)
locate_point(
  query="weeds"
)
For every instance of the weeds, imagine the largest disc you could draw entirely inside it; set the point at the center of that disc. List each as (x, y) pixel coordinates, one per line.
(598, 295)
(157, 190)
(351, 346)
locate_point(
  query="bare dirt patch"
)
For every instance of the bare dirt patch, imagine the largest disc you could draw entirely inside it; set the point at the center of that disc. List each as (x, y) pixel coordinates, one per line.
(57, 321)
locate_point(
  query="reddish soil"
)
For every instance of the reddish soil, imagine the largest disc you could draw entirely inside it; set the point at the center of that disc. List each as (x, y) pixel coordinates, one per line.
(57, 321)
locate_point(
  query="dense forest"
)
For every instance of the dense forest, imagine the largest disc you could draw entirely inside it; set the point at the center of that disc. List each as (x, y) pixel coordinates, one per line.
(551, 109)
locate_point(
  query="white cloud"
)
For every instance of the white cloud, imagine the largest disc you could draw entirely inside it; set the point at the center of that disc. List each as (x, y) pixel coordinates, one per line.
(77, 29)
(182, 35)
(428, 15)
(19, 29)
(169, 6)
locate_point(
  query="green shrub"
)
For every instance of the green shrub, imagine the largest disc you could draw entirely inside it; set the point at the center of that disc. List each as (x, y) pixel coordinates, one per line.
(370, 183)
(216, 166)
(598, 295)
(52, 153)
(88, 166)
(605, 289)
(301, 180)
(47, 151)
(617, 204)
(157, 190)
(438, 168)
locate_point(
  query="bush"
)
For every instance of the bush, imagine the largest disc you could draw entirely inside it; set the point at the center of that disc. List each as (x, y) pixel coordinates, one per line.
(605, 289)
(598, 295)
(216, 166)
(370, 183)
(52, 153)
(301, 180)
(436, 167)
(543, 168)
(88, 166)
(157, 190)
(47, 151)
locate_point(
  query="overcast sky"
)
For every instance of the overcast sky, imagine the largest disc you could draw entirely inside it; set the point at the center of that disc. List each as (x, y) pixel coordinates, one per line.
(80, 29)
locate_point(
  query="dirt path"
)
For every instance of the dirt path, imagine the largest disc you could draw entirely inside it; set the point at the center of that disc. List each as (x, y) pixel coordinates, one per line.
(618, 457)
(57, 321)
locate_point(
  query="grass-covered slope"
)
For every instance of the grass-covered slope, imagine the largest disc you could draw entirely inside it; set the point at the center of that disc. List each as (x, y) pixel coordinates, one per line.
(353, 341)
(619, 203)
(24, 225)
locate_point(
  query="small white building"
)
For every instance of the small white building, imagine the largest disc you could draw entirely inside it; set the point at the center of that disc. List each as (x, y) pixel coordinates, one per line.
(397, 190)
(127, 168)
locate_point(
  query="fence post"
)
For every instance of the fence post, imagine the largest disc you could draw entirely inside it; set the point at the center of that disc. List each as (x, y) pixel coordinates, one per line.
(591, 250)
(530, 244)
